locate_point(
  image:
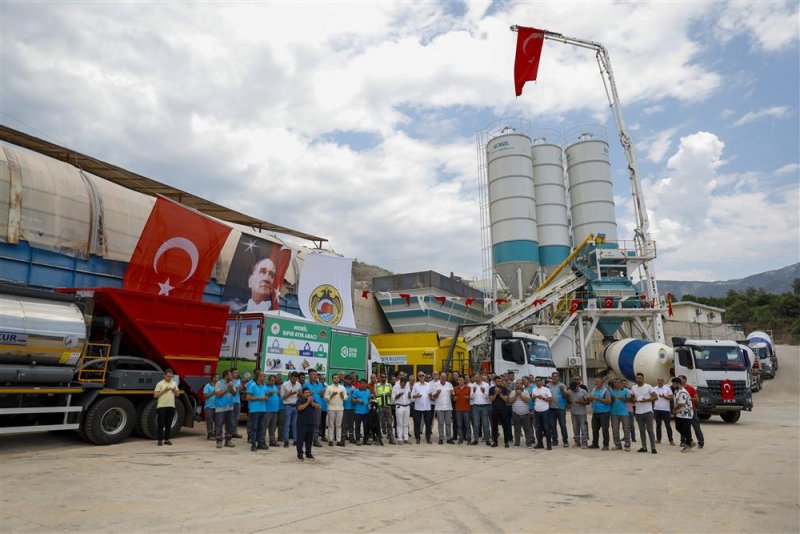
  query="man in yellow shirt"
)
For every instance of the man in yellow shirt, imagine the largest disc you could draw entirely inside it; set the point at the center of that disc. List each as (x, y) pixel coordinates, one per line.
(165, 392)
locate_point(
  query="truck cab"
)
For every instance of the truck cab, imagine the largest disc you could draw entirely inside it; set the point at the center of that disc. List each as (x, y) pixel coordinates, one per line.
(521, 353)
(719, 371)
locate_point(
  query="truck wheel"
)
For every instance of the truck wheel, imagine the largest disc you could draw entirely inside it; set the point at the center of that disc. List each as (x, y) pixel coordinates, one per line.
(704, 416)
(109, 420)
(731, 417)
(146, 426)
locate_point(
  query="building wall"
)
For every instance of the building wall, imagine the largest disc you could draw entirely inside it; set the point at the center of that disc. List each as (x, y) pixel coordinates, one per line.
(689, 314)
(368, 314)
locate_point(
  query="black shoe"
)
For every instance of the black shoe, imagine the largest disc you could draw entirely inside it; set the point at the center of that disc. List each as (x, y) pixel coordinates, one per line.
(642, 450)
(494, 444)
(262, 447)
(451, 441)
(300, 458)
(539, 447)
(310, 456)
(210, 437)
(358, 443)
(594, 446)
(441, 442)
(428, 441)
(160, 443)
(317, 444)
(417, 441)
(380, 442)
(699, 445)
(167, 442)
(285, 444)
(237, 436)
(654, 451)
(340, 444)
(605, 448)
(273, 443)
(330, 444)
(488, 443)
(473, 443)
(461, 441)
(254, 447)
(549, 448)
(506, 444)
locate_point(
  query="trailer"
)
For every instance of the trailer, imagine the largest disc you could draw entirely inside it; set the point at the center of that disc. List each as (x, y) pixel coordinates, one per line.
(88, 359)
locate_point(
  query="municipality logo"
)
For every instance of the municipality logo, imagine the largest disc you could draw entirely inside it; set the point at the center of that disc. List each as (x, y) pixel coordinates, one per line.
(326, 304)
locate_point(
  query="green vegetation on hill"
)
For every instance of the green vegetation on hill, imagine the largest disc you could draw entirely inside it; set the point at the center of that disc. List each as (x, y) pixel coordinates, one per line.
(757, 310)
(363, 273)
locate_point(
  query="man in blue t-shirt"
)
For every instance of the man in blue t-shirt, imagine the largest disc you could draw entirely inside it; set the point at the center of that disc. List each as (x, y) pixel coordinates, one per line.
(257, 407)
(223, 410)
(210, 403)
(601, 412)
(619, 415)
(360, 398)
(558, 409)
(349, 416)
(273, 410)
(236, 400)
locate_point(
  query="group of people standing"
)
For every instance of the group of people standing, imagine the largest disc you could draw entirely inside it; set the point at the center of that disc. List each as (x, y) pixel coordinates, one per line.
(466, 409)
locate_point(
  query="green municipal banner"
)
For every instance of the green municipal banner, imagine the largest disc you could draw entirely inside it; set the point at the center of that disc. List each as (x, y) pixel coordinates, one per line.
(349, 352)
(295, 346)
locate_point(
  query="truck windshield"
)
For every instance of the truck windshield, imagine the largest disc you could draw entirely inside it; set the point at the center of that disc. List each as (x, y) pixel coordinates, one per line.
(762, 352)
(719, 359)
(539, 354)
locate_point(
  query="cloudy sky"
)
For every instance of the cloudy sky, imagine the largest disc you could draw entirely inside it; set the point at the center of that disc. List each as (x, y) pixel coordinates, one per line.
(357, 121)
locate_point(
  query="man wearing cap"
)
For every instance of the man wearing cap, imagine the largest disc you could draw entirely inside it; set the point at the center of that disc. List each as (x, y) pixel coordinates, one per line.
(401, 396)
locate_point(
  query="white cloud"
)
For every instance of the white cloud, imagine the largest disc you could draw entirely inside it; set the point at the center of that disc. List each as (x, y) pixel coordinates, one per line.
(700, 226)
(771, 25)
(789, 168)
(774, 112)
(240, 103)
(650, 110)
(657, 145)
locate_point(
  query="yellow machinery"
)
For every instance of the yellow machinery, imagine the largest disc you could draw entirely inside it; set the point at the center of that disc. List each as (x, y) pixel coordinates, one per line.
(419, 351)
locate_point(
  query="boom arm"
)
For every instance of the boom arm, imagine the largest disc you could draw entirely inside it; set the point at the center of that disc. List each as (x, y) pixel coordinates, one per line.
(642, 232)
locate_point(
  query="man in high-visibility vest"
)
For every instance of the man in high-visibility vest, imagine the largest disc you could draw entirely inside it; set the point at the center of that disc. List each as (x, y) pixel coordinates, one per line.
(383, 397)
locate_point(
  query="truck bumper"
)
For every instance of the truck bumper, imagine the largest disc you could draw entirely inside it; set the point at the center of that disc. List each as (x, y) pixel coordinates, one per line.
(713, 404)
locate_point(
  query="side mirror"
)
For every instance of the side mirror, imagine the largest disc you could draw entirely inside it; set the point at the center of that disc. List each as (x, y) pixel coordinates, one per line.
(685, 358)
(502, 333)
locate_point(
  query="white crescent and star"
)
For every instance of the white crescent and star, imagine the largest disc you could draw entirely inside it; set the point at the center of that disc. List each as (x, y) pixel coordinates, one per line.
(180, 243)
(525, 44)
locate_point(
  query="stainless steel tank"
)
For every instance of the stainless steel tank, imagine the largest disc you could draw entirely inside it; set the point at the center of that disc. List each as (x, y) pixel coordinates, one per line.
(40, 332)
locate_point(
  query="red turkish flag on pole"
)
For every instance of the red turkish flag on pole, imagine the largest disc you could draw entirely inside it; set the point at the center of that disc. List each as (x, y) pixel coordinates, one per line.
(176, 252)
(529, 52)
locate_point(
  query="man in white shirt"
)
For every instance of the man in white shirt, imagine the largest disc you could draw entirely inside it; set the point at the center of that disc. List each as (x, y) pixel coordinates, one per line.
(401, 395)
(541, 419)
(480, 410)
(290, 392)
(442, 396)
(335, 395)
(421, 395)
(644, 395)
(662, 409)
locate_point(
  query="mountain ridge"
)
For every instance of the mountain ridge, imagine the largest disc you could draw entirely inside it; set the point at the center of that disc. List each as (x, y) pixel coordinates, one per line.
(776, 281)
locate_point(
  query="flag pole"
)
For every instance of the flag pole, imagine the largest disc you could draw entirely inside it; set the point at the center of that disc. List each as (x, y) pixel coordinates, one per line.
(642, 236)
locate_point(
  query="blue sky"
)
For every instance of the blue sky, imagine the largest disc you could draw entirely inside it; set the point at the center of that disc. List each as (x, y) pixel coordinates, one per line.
(358, 121)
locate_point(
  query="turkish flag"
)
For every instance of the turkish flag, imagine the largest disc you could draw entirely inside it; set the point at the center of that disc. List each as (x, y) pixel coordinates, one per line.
(176, 252)
(406, 297)
(608, 302)
(529, 52)
(441, 300)
(726, 390)
(574, 306)
(365, 294)
(469, 301)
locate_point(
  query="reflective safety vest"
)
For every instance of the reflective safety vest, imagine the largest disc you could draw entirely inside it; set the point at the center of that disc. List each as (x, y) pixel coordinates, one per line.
(383, 394)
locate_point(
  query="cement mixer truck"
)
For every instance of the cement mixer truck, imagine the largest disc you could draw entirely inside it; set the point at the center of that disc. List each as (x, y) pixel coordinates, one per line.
(88, 360)
(761, 344)
(717, 369)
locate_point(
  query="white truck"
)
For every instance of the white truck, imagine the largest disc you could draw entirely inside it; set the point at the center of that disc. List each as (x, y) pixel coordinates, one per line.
(761, 344)
(717, 369)
(506, 351)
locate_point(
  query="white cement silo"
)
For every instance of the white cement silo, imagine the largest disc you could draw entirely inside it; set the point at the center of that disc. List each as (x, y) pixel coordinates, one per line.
(551, 199)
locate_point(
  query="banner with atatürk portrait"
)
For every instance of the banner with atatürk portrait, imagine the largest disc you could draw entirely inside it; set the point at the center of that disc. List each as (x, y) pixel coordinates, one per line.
(256, 275)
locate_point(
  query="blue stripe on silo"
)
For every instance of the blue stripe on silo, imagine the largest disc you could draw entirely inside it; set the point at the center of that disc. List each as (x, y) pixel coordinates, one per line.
(627, 355)
(553, 254)
(516, 251)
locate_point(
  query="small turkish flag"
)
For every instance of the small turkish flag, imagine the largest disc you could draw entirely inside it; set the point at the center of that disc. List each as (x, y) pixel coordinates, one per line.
(441, 300)
(176, 252)
(469, 301)
(365, 294)
(726, 390)
(574, 306)
(502, 301)
(406, 297)
(608, 302)
(529, 52)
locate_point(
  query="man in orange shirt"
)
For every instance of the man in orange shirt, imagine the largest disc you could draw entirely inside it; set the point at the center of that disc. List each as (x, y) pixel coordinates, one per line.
(462, 392)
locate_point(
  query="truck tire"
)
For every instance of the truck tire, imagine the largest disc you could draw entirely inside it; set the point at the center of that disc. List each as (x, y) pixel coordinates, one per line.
(731, 417)
(109, 420)
(704, 416)
(146, 426)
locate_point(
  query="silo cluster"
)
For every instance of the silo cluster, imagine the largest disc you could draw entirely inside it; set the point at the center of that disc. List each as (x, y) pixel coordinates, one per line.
(546, 192)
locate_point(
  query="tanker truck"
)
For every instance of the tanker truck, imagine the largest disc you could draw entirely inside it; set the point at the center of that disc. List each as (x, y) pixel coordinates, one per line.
(716, 369)
(88, 360)
(762, 345)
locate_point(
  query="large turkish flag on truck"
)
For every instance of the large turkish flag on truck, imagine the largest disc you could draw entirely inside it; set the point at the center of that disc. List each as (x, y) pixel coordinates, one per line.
(176, 252)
